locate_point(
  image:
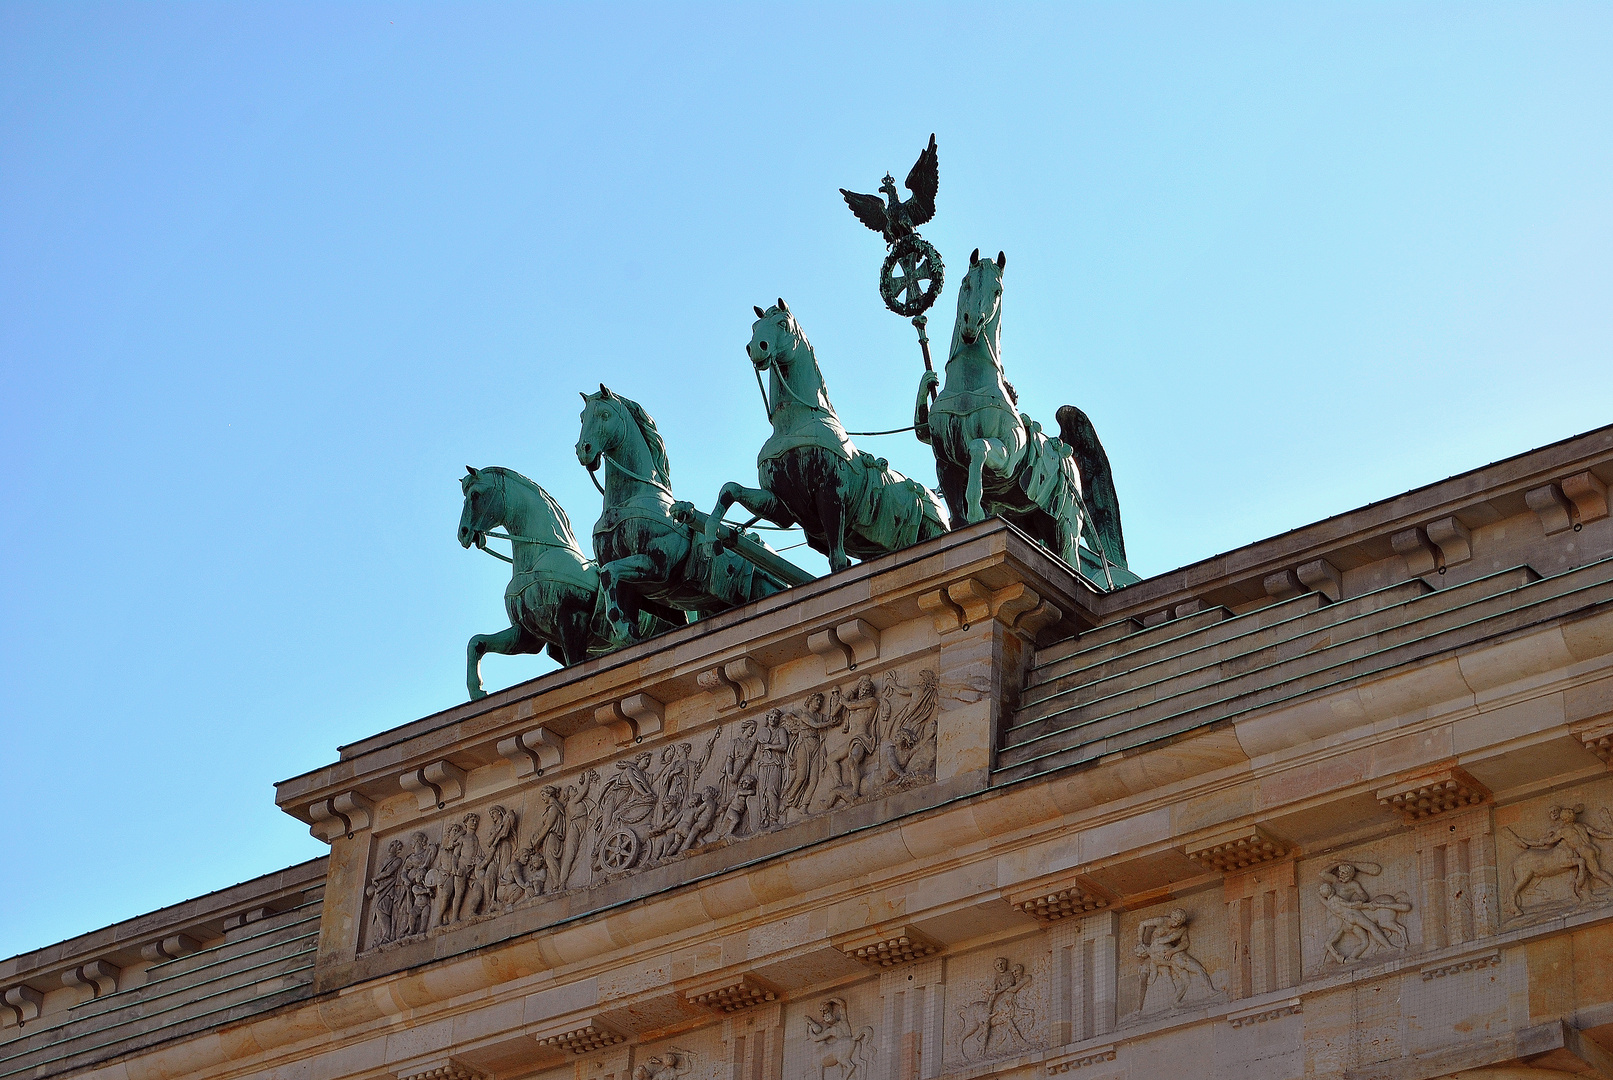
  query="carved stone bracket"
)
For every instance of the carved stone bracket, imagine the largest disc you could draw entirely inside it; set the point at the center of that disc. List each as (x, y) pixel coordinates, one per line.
(580, 1036)
(1323, 577)
(1249, 1017)
(1283, 585)
(1453, 539)
(247, 917)
(964, 603)
(99, 977)
(23, 1003)
(1551, 507)
(435, 785)
(1236, 850)
(888, 947)
(340, 815)
(1423, 796)
(1588, 494)
(1095, 1056)
(635, 717)
(732, 994)
(169, 948)
(531, 752)
(846, 647)
(1419, 552)
(736, 684)
(1060, 900)
(1598, 739)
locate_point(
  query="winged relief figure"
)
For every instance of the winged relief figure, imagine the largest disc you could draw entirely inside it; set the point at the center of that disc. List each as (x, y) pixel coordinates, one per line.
(891, 217)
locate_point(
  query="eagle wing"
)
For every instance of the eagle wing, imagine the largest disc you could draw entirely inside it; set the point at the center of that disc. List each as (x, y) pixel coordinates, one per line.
(923, 181)
(870, 209)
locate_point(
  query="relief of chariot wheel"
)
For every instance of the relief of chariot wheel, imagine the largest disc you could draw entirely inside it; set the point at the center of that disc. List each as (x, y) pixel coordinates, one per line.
(912, 276)
(620, 851)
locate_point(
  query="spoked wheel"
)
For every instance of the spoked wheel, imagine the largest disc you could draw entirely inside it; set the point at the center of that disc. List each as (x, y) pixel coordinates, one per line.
(911, 278)
(620, 851)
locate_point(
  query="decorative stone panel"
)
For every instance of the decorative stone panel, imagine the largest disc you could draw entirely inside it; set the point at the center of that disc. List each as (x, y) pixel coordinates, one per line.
(1433, 793)
(583, 1037)
(1061, 900)
(745, 992)
(1237, 850)
(1291, 1007)
(1066, 1062)
(887, 948)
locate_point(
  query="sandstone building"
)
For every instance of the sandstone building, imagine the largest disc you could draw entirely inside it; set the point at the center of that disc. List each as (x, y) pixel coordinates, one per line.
(1335, 804)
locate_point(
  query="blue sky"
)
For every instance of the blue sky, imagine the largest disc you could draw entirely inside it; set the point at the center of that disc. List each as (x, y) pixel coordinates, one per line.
(270, 276)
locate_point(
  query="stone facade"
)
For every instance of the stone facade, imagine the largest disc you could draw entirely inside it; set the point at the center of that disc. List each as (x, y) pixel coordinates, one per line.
(1337, 804)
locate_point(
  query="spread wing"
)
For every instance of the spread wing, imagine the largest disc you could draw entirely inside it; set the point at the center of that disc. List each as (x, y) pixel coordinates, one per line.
(923, 181)
(870, 209)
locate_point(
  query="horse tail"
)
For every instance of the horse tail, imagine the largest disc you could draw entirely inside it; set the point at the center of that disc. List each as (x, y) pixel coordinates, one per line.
(1097, 481)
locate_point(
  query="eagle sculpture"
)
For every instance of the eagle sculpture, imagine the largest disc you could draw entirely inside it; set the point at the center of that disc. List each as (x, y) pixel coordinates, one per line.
(891, 217)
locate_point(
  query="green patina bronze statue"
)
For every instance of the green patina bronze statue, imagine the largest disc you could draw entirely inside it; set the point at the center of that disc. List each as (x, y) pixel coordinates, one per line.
(992, 459)
(848, 502)
(553, 595)
(644, 540)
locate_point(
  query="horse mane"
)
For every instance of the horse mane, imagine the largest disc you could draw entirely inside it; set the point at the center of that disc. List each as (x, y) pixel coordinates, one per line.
(562, 522)
(659, 466)
(794, 327)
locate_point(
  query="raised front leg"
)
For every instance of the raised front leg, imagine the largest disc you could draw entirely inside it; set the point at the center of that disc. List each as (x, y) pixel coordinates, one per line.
(511, 641)
(757, 500)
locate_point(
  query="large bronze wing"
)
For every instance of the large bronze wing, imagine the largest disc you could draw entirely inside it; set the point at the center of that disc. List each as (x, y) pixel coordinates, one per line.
(870, 209)
(923, 181)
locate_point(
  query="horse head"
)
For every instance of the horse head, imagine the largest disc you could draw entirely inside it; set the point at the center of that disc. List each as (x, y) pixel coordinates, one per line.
(484, 505)
(775, 337)
(601, 427)
(980, 297)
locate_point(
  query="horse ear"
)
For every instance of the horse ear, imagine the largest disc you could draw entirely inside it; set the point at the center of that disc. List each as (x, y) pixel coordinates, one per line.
(782, 306)
(760, 314)
(604, 391)
(470, 470)
(974, 256)
(1002, 261)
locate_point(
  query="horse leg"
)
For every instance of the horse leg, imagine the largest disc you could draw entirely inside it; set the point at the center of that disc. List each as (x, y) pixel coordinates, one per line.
(574, 622)
(831, 503)
(952, 479)
(510, 641)
(983, 454)
(756, 500)
(622, 611)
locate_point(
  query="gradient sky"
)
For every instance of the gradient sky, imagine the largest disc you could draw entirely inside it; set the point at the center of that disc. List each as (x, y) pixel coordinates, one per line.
(270, 276)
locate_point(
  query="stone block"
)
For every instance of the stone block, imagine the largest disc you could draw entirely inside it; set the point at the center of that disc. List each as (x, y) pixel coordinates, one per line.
(578, 1036)
(1453, 539)
(435, 785)
(531, 752)
(1236, 849)
(887, 947)
(340, 815)
(732, 993)
(171, 947)
(1323, 577)
(1551, 507)
(1416, 549)
(1588, 494)
(1431, 793)
(1060, 899)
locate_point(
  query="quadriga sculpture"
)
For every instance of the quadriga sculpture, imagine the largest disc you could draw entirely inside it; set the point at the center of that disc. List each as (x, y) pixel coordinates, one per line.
(848, 502)
(644, 541)
(553, 595)
(992, 459)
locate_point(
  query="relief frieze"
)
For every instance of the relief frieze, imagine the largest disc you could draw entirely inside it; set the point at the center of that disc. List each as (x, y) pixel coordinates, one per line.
(863, 739)
(1561, 866)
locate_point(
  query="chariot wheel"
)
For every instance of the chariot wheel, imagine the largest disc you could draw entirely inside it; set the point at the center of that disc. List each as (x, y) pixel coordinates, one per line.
(620, 850)
(911, 278)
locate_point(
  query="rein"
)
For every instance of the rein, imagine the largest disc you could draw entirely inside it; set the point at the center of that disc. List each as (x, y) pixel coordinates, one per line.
(815, 407)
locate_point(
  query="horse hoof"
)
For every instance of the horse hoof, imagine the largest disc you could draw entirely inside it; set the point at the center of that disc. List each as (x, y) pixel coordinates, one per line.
(478, 694)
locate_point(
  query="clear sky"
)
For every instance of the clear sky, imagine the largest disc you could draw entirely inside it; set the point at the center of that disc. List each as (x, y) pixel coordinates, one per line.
(270, 276)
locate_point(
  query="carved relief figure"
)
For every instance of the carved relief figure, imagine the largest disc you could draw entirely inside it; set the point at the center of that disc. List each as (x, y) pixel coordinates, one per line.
(579, 810)
(671, 1065)
(1361, 923)
(417, 869)
(656, 806)
(806, 759)
(838, 1052)
(386, 893)
(910, 755)
(850, 743)
(1569, 846)
(772, 744)
(997, 1012)
(1168, 968)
